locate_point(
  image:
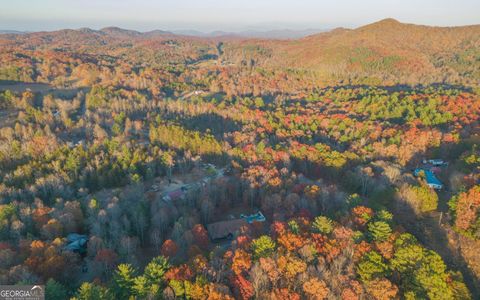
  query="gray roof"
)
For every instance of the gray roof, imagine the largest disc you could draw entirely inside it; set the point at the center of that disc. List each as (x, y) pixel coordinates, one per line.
(222, 229)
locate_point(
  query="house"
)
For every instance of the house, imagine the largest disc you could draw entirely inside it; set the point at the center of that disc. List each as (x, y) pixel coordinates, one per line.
(75, 236)
(220, 173)
(258, 217)
(174, 195)
(177, 194)
(225, 229)
(435, 162)
(80, 143)
(196, 187)
(76, 243)
(432, 180)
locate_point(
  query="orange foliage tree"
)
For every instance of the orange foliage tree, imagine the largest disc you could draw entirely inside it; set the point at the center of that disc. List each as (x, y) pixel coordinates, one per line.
(315, 289)
(241, 261)
(468, 204)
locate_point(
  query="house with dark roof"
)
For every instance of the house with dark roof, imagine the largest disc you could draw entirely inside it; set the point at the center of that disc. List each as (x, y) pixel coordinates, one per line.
(174, 195)
(225, 229)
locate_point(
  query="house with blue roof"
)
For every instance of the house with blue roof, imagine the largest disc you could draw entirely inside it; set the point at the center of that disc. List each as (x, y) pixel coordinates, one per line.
(258, 217)
(432, 180)
(76, 243)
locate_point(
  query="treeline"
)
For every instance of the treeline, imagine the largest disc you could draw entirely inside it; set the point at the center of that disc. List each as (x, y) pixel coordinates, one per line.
(302, 257)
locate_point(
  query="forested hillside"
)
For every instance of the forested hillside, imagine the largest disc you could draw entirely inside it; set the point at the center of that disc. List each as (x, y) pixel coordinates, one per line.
(384, 53)
(344, 165)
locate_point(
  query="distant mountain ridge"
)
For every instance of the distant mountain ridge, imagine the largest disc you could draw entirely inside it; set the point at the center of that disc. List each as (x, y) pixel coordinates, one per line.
(12, 32)
(127, 33)
(384, 26)
(384, 51)
(269, 34)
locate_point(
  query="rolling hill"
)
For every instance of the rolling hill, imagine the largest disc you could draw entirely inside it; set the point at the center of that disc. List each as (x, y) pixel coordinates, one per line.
(386, 52)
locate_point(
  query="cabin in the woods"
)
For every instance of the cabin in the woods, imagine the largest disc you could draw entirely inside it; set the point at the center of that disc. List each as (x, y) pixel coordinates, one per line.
(225, 229)
(229, 229)
(174, 195)
(430, 178)
(76, 243)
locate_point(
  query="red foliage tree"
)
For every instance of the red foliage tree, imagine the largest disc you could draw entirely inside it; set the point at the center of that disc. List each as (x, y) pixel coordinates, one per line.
(361, 215)
(182, 272)
(243, 242)
(169, 248)
(200, 235)
(278, 228)
(108, 258)
(242, 288)
(284, 294)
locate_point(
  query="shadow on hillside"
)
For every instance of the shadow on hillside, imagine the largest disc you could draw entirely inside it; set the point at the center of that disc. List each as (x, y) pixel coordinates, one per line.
(434, 236)
(210, 123)
(399, 87)
(432, 229)
(21, 86)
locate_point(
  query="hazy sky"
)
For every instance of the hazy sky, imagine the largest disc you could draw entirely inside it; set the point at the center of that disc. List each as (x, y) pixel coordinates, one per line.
(209, 15)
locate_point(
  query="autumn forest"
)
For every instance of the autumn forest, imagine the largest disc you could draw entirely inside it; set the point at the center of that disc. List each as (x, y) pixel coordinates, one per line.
(151, 165)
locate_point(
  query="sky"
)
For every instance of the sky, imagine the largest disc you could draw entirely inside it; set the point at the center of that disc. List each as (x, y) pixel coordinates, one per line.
(230, 15)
